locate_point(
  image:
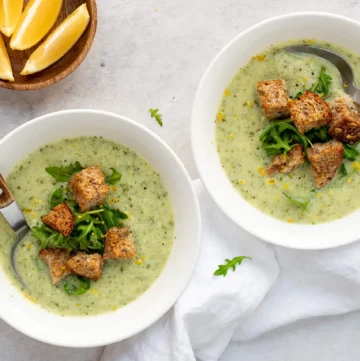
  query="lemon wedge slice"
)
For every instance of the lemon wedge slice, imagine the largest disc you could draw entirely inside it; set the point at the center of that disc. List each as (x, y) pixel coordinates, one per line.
(10, 12)
(5, 65)
(35, 22)
(59, 42)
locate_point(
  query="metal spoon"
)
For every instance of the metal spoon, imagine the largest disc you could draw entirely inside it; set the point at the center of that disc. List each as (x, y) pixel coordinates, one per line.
(11, 211)
(341, 64)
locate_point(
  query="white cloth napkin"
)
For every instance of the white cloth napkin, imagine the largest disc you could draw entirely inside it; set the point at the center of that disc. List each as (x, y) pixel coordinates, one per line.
(278, 286)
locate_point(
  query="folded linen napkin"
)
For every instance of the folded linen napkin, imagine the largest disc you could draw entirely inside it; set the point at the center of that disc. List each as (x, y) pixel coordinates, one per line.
(277, 287)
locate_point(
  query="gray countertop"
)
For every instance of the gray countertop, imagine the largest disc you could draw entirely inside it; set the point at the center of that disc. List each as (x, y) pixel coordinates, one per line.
(152, 54)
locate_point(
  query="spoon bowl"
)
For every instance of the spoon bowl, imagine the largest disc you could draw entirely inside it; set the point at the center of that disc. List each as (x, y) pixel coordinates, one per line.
(338, 61)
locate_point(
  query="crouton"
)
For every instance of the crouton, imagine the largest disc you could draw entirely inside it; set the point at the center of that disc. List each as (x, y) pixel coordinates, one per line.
(119, 244)
(282, 163)
(89, 188)
(60, 219)
(56, 259)
(86, 265)
(325, 160)
(345, 124)
(274, 98)
(310, 111)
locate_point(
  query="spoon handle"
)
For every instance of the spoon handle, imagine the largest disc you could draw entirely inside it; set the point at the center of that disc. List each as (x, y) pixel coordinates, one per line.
(6, 197)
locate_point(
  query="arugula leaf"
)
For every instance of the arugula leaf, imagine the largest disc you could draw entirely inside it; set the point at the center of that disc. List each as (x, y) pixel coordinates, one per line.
(342, 170)
(112, 217)
(114, 178)
(223, 269)
(318, 135)
(57, 197)
(321, 86)
(64, 174)
(155, 114)
(281, 136)
(303, 203)
(75, 285)
(50, 238)
(350, 152)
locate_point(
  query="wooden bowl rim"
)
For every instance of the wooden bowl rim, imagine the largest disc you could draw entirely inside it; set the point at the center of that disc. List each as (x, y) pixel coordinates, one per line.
(66, 72)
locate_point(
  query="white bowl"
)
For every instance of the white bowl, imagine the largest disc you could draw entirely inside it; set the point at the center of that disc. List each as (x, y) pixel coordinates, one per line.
(88, 331)
(328, 27)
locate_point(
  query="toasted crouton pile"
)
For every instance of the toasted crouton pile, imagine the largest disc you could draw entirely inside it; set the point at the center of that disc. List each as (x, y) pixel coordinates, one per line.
(89, 188)
(325, 160)
(119, 244)
(274, 98)
(310, 111)
(86, 265)
(60, 219)
(345, 125)
(282, 163)
(56, 259)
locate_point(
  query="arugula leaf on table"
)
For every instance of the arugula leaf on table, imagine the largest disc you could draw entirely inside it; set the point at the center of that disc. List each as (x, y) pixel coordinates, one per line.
(223, 269)
(114, 178)
(75, 285)
(303, 203)
(155, 114)
(65, 173)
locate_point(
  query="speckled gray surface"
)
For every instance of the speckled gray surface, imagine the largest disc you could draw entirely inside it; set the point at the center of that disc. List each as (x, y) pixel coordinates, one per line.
(153, 54)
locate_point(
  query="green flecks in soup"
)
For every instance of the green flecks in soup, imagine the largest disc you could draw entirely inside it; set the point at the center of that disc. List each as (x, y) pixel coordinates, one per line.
(140, 193)
(240, 121)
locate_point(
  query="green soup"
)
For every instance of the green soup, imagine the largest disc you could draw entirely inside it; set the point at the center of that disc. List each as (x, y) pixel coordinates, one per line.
(240, 120)
(141, 194)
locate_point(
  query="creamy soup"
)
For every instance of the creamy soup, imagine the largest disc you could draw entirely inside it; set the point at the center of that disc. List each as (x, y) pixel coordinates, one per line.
(240, 121)
(141, 194)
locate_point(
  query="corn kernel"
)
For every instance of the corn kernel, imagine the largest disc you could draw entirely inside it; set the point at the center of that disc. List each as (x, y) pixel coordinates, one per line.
(242, 181)
(318, 194)
(350, 180)
(230, 136)
(95, 292)
(261, 171)
(356, 165)
(227, 92)
(220, 116)
(139, 262)
(290, 220)
(271, 181)
(286, 186)
(249, 104)
(260, 57)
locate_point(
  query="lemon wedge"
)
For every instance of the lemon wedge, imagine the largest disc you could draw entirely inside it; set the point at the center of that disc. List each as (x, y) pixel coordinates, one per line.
(10, 12)
(35, 22)
(5, 65)
(59, 42)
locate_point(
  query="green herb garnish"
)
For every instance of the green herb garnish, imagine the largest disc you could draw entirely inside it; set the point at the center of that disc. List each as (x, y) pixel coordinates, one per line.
(75, 285)
(155, 114)
(223, 269)
(64, 174)
(114, 178)
(350, 152)
(281, 136)
(318, 135)
(321, 86)
(303, 203)
(342, 170)
(50, 238)
(57, 197)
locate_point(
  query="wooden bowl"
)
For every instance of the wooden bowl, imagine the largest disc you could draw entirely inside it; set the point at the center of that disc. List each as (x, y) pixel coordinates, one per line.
(65, 66)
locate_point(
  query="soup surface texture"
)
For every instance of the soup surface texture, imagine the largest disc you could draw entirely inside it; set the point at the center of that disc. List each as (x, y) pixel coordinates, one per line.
(140, 193)
(240, 121)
